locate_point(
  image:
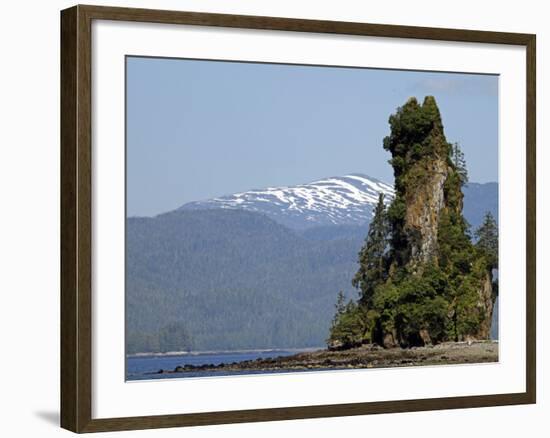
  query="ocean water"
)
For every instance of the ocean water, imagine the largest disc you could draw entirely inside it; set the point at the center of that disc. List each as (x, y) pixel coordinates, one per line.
(147, 367)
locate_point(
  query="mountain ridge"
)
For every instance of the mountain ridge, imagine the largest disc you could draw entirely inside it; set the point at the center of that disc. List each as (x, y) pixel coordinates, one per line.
(346, 201)
(337, 200)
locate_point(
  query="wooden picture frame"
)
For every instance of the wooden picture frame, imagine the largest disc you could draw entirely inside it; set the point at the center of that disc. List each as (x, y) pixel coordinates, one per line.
(76, 217)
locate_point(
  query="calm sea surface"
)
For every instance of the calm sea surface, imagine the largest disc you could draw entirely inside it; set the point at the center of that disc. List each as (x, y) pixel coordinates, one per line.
(145, 367)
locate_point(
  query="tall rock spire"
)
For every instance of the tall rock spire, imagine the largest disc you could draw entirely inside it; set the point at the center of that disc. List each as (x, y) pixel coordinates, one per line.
(426, 282)
(429, 237)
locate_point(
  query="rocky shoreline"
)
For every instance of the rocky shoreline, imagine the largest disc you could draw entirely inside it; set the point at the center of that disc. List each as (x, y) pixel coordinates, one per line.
(365, 356)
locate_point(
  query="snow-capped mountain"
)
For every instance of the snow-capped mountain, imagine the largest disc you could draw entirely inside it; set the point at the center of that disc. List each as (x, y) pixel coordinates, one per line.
(344, 200)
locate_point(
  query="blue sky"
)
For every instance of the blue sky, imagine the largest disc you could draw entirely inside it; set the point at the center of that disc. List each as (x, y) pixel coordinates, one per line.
(198, 129)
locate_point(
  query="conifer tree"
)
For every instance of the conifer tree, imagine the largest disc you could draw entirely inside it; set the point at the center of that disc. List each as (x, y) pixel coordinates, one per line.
(340, 308)
(348, 328)
(372, 266)
(459, 161)
(487, 240)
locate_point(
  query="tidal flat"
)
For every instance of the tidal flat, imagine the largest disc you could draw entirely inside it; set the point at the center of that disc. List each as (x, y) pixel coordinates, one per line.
(365, 356)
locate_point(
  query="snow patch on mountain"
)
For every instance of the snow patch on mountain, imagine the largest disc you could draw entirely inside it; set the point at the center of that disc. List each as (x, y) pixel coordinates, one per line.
(344, 200)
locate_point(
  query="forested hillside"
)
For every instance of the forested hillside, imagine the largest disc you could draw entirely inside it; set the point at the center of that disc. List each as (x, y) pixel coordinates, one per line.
(229, 279)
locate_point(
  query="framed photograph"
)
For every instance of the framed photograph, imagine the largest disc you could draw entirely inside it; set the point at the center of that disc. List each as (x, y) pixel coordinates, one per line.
(271, 218)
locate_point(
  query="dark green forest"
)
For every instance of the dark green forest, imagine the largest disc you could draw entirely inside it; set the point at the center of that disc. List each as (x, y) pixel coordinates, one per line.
(229, 279)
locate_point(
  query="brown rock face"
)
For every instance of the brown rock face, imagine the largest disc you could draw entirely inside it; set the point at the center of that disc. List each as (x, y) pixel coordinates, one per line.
(389, 340)
(485, 304)
(425, 336)
(424, 204)
(425, 201)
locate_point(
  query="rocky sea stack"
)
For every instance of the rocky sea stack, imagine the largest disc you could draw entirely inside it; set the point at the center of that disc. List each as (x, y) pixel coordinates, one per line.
(421, 279)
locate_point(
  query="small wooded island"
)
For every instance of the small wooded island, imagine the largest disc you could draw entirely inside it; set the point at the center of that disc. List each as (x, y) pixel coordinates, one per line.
(421, 280)
(426, 290)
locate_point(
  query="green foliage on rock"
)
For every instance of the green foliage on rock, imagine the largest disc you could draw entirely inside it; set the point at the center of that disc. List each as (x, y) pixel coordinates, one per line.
(348, 327)
(421, 279)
